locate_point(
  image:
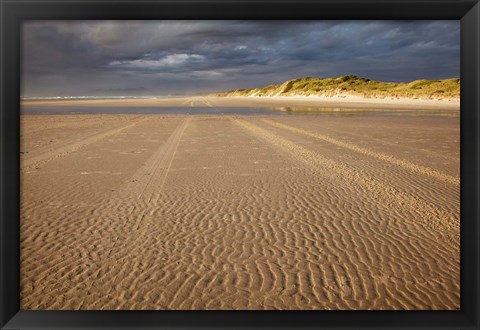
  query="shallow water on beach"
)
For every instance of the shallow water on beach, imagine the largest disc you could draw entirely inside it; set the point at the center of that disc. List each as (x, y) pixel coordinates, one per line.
(241, 111)
(151, 110)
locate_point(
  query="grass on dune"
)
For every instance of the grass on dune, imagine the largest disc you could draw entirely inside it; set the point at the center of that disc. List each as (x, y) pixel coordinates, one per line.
(356, 86)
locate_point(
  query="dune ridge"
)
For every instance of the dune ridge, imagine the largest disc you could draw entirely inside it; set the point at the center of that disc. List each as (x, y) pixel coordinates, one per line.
(351, 85)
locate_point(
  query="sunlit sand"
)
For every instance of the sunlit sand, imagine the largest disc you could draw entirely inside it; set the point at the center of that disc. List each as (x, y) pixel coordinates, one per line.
(239, 212)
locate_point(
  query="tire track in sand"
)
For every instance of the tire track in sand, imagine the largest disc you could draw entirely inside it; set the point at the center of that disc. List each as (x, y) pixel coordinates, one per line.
(149, 186)
(139, 189)
(156, 168)
(381, 156)
(162, 161)
(48, 156)
(149, 180)
(430, 216)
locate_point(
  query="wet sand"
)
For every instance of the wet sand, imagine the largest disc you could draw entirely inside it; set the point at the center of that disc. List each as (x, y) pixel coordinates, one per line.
(268, 102)
(147, 212)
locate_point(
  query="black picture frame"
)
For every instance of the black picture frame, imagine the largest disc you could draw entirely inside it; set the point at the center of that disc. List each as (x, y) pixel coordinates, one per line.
(13, 12)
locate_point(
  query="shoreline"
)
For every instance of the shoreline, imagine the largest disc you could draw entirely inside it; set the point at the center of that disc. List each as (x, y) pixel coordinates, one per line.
(263, 101)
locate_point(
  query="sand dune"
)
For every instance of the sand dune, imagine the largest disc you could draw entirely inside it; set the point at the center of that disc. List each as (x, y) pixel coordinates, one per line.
(253, 212)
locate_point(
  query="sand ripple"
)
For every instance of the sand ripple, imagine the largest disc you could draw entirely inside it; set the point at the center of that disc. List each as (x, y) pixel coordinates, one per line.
(228, 213)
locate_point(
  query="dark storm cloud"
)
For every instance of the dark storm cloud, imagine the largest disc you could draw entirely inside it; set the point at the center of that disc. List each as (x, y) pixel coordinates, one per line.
(79, 57)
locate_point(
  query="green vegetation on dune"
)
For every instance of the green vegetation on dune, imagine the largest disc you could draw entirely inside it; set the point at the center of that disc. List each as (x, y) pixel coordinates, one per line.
(356, 86)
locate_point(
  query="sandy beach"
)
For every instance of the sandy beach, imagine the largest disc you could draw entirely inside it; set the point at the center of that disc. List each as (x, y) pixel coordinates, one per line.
(153, 212)
(271, 102)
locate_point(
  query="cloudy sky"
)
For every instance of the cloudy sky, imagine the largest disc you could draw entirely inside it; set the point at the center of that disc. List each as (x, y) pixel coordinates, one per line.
(180, 57)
